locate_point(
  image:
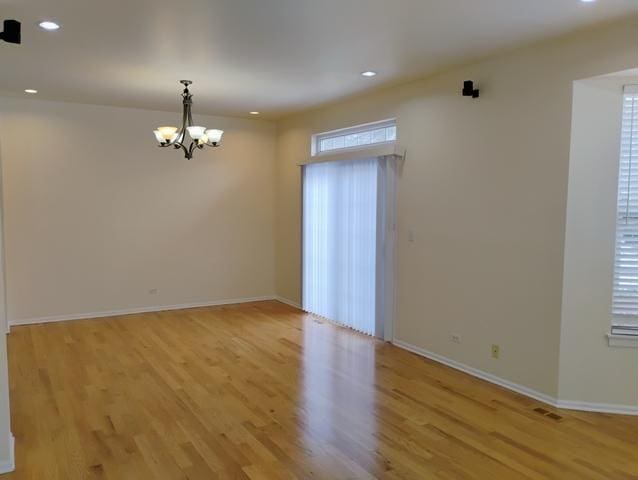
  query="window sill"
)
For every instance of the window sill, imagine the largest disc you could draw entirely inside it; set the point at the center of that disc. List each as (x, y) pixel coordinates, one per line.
(623, 341)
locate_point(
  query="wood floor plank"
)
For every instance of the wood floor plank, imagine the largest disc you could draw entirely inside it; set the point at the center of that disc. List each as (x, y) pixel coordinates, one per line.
(262, 391)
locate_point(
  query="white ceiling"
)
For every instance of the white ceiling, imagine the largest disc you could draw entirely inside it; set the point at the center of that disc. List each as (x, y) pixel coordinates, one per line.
(275, 56)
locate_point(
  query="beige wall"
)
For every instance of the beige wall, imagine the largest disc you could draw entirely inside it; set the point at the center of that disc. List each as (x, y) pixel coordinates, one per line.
(96, 215)
(484, 189)
(589, 252)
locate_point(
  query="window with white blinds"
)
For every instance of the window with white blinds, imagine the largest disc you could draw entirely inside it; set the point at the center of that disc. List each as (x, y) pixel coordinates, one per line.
(340, 233)
(625, 298)
(348, 242)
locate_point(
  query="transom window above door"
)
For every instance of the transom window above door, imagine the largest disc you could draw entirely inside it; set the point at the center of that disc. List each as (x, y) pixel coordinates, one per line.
(355, 137)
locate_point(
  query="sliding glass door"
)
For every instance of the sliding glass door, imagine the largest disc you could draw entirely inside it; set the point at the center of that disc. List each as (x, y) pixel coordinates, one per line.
(344, 231)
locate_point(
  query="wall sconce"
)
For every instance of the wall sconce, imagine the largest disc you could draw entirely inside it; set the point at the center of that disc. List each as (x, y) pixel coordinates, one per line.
(11, 32)
(469, 90)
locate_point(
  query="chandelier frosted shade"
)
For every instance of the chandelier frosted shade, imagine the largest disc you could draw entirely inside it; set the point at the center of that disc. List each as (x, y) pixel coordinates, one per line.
(158, 136)
(167, 133)
(214, 136)
(176, 137)
(196, 132)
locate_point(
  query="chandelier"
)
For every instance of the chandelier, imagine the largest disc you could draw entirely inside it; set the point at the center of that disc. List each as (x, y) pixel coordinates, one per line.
(200, 137)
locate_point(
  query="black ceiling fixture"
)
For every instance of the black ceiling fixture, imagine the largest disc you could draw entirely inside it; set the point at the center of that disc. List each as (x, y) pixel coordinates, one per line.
(469, 90)
(11, 33)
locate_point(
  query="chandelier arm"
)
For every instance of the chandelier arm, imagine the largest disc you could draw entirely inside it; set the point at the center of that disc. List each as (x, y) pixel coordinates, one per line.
(181, 133)
(187, 153)
(188, 102)
(173, 143)
(187, 113)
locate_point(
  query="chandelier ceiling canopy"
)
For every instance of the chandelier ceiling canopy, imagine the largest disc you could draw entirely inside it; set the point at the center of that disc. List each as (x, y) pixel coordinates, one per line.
(200, 137)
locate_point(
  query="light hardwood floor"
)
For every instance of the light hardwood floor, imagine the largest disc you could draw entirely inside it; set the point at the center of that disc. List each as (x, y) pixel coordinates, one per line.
(263, 391)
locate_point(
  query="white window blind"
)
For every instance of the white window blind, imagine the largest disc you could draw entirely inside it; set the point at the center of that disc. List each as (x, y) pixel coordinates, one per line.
(342, 214)
(355, 137)
(625, 296)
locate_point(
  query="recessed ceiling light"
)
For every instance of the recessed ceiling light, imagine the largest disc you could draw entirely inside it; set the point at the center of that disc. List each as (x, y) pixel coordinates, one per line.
(254, 113)
(369, 73)
(30, 90)
(588, 1)
(48, 25)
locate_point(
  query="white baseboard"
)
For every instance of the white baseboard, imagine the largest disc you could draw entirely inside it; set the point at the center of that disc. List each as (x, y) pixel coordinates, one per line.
(288, 302)
(131, 311)
(528, 392)
(9, 465)
(536, 395)
(598, 407)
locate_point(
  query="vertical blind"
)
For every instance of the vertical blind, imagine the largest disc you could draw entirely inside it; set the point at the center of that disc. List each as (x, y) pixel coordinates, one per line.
(625, 296)
(340, 236)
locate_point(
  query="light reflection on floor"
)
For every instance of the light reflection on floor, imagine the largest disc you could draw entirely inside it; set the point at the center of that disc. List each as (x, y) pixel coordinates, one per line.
(330, 397)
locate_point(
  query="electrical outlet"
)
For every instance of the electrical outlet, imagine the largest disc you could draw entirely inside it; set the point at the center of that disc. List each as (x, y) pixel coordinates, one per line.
(153, 291)
(455, 338)
(496, 351)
